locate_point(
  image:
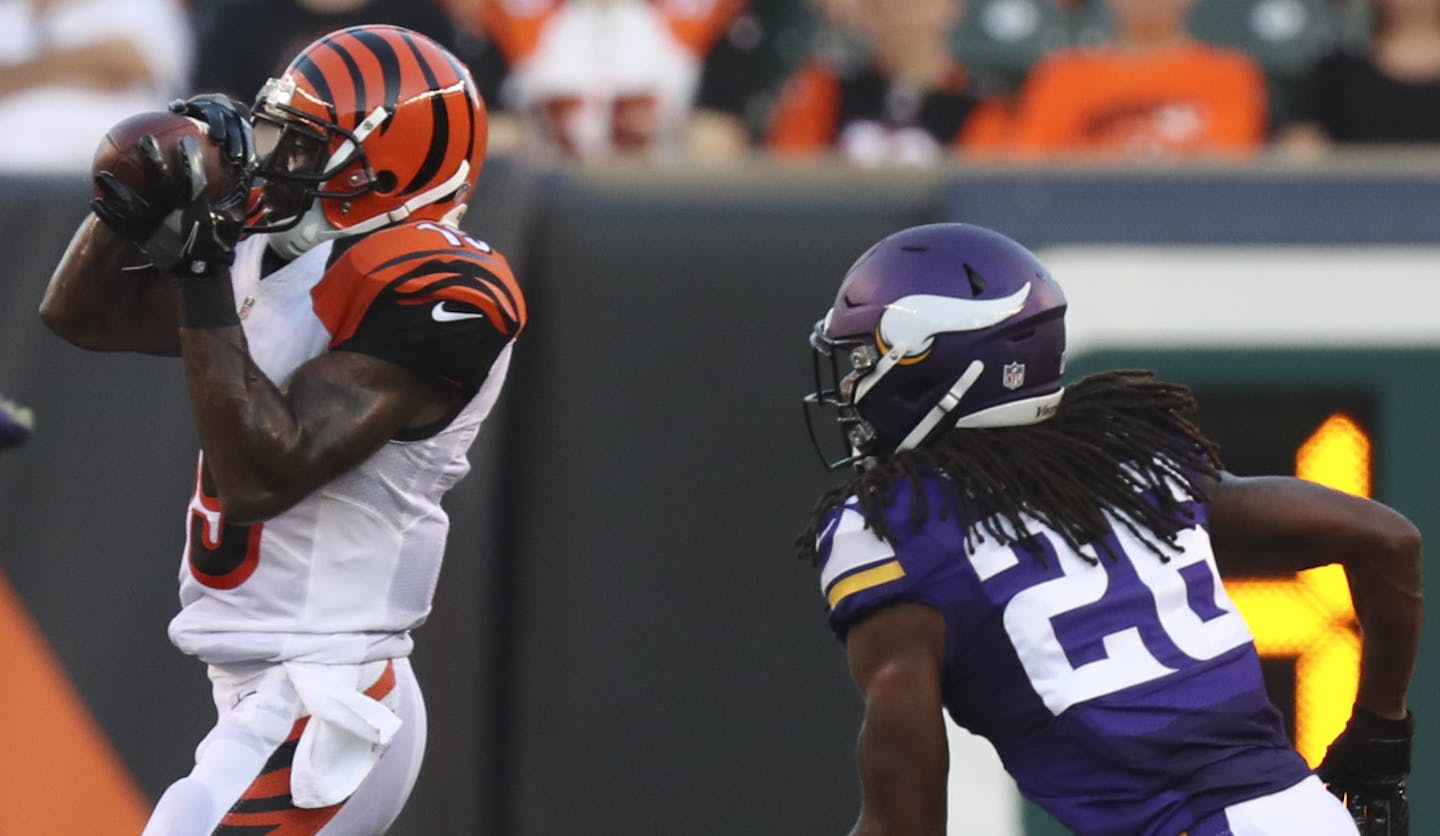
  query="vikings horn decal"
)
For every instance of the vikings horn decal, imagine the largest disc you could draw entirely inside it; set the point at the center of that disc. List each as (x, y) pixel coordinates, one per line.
(912, 322)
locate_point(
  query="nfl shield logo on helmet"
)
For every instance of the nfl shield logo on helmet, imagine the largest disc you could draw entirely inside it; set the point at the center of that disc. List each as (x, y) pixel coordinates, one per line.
(1013, 375)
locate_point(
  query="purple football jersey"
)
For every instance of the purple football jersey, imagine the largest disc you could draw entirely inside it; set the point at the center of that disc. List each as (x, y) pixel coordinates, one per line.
(1124, 695)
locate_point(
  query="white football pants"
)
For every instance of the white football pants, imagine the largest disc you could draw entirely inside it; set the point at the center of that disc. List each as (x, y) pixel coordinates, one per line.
(243, 768)
(1306, 807)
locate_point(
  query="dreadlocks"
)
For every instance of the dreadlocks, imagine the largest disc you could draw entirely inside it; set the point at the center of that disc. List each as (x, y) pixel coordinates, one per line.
(1116, 435)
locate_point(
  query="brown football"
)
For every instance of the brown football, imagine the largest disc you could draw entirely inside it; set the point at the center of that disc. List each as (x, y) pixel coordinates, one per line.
(119, 152)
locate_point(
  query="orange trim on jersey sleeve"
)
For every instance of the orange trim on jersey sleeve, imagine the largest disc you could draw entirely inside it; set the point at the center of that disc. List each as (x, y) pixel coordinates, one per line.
(806, 114)
(352, 284)
(463, 295)
(500, 269)
(516, 26)
(506, 295)
(698, 24)
(342, 297)
(1192, 100)
(501, 299)
(59, 774)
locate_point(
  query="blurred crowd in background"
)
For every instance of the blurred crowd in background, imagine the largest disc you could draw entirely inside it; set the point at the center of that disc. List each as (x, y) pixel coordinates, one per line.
(874, 82)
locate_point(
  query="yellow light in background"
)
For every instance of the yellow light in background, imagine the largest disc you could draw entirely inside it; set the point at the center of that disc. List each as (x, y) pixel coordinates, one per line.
(1337, 455)
(1309, 617)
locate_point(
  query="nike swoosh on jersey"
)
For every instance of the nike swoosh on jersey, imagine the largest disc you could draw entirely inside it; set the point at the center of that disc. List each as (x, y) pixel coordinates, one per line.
(440, 313)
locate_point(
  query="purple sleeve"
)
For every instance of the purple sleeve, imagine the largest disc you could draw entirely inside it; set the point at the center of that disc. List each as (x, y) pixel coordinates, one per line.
(860, 571)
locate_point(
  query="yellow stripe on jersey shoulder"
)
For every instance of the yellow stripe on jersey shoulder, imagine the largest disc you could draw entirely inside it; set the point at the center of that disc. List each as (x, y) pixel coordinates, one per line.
(888, 571)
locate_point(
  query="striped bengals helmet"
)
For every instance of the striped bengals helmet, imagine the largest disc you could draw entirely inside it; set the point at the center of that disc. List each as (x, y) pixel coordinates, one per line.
(368, 126)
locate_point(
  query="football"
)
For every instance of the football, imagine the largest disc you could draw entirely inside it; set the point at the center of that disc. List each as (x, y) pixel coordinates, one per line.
(119, 151)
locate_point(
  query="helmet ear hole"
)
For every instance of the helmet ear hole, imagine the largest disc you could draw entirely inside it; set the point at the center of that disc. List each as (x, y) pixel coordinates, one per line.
(386, 181)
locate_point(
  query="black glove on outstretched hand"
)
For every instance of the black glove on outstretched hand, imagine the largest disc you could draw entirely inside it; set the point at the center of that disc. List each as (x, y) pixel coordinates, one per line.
(1367, 766)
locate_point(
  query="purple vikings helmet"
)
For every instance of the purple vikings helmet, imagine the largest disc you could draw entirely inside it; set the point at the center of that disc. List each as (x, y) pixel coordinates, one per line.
(946, 325)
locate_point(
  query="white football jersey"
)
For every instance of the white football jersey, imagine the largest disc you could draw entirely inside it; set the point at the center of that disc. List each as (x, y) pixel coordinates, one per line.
(346, 573)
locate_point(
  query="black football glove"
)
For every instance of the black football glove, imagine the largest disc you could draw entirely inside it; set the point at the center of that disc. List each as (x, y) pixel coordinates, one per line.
(1366, 768)
(196, 240)
(229, 128)
(123, 209)
(138, 218)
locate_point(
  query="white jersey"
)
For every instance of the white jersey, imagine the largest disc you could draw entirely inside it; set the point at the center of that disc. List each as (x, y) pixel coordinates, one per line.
(345, 574)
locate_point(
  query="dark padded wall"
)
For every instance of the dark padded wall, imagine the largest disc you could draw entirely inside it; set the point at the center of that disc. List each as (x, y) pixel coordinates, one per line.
(621, 641)
(673, 673)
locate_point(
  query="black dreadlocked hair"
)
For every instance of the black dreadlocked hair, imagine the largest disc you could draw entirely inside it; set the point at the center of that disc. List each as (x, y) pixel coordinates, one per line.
(1116, 435)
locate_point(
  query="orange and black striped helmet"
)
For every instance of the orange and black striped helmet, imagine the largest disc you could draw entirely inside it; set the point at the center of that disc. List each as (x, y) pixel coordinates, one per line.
(368, 126)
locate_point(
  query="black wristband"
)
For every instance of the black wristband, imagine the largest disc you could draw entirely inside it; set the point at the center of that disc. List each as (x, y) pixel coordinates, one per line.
(208, 304)
(1375, 724)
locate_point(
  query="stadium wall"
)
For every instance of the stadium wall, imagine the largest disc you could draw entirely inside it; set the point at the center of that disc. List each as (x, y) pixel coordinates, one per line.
(622, 642)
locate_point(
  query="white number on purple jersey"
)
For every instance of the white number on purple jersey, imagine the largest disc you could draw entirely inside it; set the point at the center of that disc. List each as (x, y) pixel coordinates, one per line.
(1083, 630)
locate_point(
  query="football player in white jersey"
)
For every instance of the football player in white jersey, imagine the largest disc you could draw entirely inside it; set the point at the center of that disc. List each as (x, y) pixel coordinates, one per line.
(342, 341)
(1040, 562)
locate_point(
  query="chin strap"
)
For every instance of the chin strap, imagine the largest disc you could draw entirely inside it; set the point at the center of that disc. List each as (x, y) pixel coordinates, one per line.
(946, 405)
(294, 242)
(407, 208)
(376, 118)
(1019, 413)
(314, 227)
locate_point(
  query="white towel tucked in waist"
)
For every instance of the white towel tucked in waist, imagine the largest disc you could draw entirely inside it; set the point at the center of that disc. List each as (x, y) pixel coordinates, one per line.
(346, 734)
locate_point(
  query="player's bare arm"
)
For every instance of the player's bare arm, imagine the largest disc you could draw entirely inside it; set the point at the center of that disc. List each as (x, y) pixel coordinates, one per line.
(1278, 523)
(895, 657)
(265, 448)
(103, 296)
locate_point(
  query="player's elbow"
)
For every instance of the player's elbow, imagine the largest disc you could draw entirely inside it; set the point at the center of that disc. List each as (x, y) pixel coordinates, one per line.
(1385, 569)
(1397, 543)
(1405, 542)
(68, 327)
(1404, 549)
(262, 476)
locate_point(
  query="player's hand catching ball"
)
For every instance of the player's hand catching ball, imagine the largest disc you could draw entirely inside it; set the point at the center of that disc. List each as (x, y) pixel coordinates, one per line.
(227, 124)
(180, 189)
(196, 240)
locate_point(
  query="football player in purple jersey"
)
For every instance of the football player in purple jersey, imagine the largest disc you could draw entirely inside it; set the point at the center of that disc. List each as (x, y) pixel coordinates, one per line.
(1043, 563)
